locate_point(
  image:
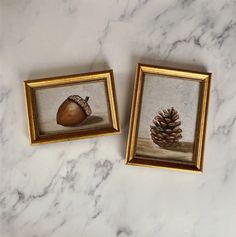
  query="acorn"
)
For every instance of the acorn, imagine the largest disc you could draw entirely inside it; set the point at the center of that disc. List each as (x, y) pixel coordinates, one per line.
(73, 111)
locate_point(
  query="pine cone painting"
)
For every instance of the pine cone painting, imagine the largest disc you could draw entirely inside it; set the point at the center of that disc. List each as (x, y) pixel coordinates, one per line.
(73, 111)
(166, 131)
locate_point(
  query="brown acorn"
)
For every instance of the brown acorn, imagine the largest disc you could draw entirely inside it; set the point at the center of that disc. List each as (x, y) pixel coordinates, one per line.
(73, 111)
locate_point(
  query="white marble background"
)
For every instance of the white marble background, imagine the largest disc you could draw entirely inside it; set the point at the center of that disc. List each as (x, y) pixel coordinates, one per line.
(82, 188)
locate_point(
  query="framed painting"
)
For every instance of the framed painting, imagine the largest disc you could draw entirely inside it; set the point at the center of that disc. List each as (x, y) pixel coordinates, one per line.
(71, 107)
(168, 118)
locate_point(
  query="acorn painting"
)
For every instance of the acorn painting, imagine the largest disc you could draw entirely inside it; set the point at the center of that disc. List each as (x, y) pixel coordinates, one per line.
(70, 107)
(73, 111)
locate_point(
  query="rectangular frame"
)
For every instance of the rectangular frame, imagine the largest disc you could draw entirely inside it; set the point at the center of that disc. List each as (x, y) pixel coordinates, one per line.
(204, 78)
(31, 85)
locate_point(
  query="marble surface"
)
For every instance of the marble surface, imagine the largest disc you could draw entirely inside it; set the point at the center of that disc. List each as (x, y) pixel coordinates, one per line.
(82, 188)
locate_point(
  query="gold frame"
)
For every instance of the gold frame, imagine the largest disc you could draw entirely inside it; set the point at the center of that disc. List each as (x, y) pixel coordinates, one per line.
(205, 79)
(31, 85)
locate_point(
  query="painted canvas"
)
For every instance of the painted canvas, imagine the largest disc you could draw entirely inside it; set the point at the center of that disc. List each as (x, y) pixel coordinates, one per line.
(73, 107)
(168, 117)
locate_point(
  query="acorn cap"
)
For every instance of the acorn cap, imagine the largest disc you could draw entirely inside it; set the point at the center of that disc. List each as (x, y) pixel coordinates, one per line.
(82, 103)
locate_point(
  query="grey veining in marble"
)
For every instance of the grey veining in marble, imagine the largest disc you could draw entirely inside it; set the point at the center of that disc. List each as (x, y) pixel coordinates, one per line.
(82, 188)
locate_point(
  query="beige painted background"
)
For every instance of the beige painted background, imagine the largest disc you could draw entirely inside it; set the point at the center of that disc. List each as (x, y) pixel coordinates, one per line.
(161, 92)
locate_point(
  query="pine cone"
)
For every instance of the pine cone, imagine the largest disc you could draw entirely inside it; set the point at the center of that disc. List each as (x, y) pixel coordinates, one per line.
(167, 132)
